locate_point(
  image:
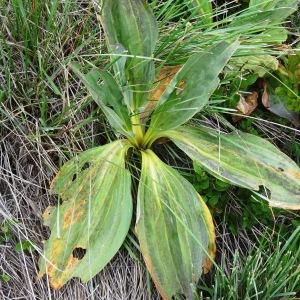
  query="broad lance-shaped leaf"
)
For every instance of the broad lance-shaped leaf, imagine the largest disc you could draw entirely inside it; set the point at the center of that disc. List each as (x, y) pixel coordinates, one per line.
(199, 76)
(243, 159)
(289, 5)
(130, 24)
(266, 12)
(108, 96)
(94, 217)
(174, 227)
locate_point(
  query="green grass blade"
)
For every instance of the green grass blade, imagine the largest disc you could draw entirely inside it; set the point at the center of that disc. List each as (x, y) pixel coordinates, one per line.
(203, 8)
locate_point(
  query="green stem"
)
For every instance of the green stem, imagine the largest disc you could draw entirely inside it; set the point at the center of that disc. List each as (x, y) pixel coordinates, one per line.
(137, 129)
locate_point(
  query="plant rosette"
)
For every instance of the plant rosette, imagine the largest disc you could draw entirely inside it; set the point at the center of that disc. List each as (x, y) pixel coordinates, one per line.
(173, 224)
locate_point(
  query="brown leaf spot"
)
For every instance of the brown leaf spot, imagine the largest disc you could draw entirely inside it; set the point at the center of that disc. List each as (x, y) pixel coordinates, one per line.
(57, 248)
(74, 213)
(51, 266)
(164, 78)
(207, 265)
(55, 284)
(51, 269)
(71, 263)
(208, 261)
(57, 281)
(180, 87)
(293, 173)
(47, 213)
(154, 277)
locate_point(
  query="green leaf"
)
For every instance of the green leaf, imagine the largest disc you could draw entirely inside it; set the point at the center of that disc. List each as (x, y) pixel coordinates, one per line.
(266, 12)
(5, 277)
(278, 98)
(213, 200)
(25, 245)
(202, 185)
(6, 233)
(90, 225)
(118, 61)
(203, 8)
(259, 64)
(199, 78)
(289, 5)
(2, 96)
(244, 160)
(130, 24)
(114, 97)
(174, 227)
(273, 36)
(108, 96)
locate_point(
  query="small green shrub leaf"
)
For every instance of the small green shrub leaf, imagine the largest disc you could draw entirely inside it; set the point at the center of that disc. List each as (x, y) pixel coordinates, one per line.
(25, 245)
(191, 88)
(130, 24)
(90, 225)
(244, 160)
(4, 277)
(174, 228)
(259, 65)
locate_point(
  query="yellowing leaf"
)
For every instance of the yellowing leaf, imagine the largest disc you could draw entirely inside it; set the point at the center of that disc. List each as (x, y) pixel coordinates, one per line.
(208, 262)
(90, 225)
(174, 228)
(244, 160)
